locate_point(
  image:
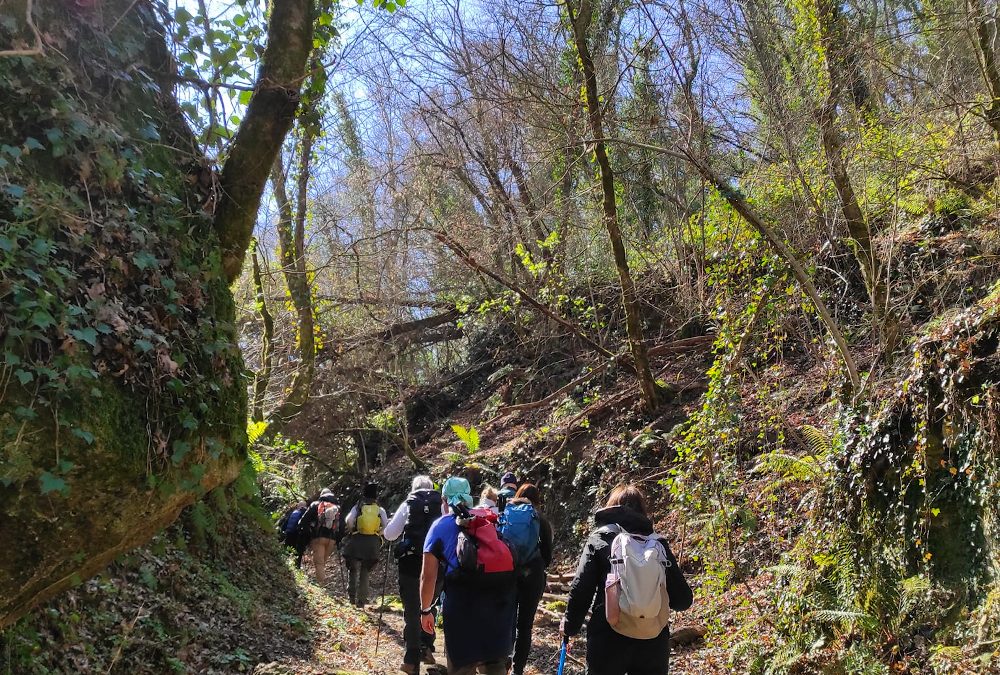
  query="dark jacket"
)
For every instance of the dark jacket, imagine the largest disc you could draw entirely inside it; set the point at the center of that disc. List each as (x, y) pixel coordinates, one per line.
(544, 532)
(587, 590)
(308, 523)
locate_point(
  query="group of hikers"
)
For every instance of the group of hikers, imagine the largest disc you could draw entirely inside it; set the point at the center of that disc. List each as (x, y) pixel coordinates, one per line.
(482, 568)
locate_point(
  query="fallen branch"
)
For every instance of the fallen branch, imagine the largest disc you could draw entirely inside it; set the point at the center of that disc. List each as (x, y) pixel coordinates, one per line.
(38, 49)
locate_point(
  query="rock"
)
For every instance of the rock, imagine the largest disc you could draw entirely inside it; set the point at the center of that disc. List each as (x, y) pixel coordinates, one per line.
(688, 635)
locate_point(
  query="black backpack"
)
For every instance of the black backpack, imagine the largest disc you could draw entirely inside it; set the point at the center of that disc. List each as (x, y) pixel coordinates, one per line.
(424, 508)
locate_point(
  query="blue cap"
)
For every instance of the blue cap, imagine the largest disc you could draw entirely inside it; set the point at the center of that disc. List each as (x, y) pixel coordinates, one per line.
(457, 490)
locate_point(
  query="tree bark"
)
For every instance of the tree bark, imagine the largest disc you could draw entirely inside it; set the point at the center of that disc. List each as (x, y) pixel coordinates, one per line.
(843, 71)
(580, 21)
(262, 377)
(268, 119)
(291, 242)
(986, 37)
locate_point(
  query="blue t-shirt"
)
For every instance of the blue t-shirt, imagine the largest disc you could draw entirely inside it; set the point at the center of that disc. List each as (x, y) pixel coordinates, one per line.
(442, 541)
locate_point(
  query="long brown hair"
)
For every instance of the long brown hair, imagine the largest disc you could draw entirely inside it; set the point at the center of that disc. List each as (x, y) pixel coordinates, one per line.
(629, 496)
(529, 492)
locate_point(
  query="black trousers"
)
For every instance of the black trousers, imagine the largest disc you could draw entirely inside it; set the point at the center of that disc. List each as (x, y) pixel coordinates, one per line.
(530, 587)
(416, 640)
(610, 653)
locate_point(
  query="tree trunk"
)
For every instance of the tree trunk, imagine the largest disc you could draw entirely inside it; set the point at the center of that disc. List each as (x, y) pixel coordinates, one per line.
(844, 73)
(580, 21)
(124, 390)
(291, 242)
(261, 378)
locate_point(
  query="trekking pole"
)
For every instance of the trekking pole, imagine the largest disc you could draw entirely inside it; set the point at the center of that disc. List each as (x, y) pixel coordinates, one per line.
(562, 656)
(340, 568)
(381, 608)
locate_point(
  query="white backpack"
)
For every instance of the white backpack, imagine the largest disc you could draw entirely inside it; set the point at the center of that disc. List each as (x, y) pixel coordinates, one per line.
(636, 601)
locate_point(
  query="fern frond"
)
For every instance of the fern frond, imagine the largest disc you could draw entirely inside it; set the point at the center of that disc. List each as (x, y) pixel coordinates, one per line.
(819, 442)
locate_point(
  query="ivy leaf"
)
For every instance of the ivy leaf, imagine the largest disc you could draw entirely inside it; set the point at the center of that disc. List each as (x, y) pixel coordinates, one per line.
(245, 97)
(24, 376)
(42, 319)
(52, 483)
(181, 449)
(88, 335)
(84, 435)
(32, 143)
(144, 345)
(13, 191)
(144, 260)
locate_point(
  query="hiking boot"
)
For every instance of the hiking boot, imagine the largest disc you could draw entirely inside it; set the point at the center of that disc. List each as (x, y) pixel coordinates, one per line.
(427, 658)
(409, 668)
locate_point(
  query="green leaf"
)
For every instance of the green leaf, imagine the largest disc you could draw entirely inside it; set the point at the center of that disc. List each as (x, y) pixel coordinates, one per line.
(32, 143)
(143, 345)
(145, 260)
(83, 435)
(14, 191)
(182, 15)
(24, 376)
(88, 335)
(23, 413)
(42, 319)
(245, 97)
(52, 483)
(181, 449)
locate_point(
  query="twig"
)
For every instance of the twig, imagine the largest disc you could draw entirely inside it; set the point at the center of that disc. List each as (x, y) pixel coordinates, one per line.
(38, 49)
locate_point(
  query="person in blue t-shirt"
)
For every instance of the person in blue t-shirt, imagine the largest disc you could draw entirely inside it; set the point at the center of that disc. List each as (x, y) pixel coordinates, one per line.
(478, 622)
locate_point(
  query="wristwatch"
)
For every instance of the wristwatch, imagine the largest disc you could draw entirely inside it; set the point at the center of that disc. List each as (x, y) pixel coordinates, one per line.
(426, 612)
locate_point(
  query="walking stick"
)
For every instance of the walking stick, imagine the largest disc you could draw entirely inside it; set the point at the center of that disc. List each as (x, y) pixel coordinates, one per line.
(562, 656)
(381, 608)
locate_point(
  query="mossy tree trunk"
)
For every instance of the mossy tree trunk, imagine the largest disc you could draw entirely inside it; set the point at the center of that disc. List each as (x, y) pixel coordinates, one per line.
(123, 395)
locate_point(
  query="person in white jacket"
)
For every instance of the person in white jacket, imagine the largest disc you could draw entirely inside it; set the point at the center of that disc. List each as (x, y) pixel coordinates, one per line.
(409, 525)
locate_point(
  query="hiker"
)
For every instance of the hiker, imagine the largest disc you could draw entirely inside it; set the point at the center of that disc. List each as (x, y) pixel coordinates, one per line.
(508, 488)
(528, 531)
(620, 641)
(411, 521)
(319, 526)
(365, 522)
(290, 535)
(488, 499)
(478, 598)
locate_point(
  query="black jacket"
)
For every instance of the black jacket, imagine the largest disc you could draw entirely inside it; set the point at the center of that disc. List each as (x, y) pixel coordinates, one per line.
(587, 590)
(308, 523)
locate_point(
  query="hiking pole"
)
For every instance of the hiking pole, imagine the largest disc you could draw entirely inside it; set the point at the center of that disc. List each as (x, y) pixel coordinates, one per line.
(381, 608)
(562, 656)
(340, 568)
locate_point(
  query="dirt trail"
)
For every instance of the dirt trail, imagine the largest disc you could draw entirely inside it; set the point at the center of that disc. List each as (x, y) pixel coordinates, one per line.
(343, 638)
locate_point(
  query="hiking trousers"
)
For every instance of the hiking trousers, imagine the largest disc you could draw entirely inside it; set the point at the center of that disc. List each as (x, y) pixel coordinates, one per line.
(530, 586)
(357, 579)
(417, 641)
(489, 668)
(611, 653)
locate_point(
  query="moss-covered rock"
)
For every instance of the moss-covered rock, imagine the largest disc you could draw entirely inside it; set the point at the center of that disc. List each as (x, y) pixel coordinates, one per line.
(121, 385)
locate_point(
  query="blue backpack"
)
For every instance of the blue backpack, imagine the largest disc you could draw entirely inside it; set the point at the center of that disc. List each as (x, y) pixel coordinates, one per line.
(519, 527)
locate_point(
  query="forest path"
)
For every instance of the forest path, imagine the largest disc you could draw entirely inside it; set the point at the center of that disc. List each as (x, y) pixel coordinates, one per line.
(345, 640)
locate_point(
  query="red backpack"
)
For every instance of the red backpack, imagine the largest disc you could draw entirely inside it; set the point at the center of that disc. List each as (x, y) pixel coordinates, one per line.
(484, 559)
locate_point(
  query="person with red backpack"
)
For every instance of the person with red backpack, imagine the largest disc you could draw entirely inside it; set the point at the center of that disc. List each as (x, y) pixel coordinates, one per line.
(409, 525)
(479, 585)
(529, 533)
(629, 579)
(365, 522)
(320, 526)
